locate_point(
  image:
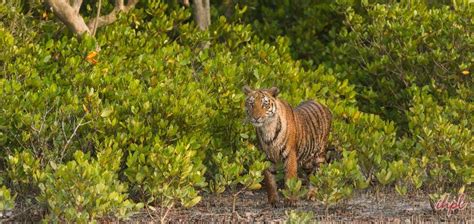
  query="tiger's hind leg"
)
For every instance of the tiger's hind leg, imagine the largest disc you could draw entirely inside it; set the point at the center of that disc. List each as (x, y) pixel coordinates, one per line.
(311, 169)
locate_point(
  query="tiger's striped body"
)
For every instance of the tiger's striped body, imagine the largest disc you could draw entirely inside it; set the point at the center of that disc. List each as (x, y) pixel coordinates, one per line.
(296, 136)
(312, 122)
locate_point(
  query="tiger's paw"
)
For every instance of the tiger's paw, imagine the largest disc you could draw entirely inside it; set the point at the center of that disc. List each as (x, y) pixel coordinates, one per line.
(273, 202)
(311, 195)
(290, 202)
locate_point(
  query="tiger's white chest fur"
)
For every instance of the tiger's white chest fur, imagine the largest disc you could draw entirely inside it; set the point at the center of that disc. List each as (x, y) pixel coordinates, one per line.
(272, 137)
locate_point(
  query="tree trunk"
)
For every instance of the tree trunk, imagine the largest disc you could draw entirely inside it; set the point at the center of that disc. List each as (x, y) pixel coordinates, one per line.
(202, 13)
(69, 15)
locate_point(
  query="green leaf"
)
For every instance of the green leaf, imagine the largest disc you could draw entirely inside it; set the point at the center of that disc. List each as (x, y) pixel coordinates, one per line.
(107, 112)
(255, 186)
(244, 136)
(192, 202)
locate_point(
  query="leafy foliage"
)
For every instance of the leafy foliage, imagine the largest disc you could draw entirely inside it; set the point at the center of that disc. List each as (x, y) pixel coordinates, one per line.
(309, 25)
(174, 169)
(293, 190)
(7, 201)
(228, 170)
(299, 217)
(160, 108)
(83, 190)
(395, 46)
(24, 172)
(445, 139)
(337, 180)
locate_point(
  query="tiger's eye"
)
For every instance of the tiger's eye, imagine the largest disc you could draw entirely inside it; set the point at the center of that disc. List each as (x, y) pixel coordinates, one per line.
(250, 102)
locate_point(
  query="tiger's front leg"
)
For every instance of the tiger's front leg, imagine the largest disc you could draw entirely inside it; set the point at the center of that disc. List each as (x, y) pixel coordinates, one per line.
(291, 168)
(271, 186)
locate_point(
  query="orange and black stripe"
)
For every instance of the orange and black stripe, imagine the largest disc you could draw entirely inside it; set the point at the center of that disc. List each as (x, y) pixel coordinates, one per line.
(313, 124)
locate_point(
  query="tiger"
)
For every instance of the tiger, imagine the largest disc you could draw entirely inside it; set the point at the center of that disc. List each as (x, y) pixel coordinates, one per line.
(296, 136)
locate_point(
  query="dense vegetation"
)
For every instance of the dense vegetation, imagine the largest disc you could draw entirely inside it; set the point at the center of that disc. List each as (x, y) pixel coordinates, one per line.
(158, 118)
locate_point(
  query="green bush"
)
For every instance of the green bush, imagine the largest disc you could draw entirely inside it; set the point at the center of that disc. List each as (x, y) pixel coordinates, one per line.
(244, 169)
(24, 172)
(309, 25)
(7, 201)
(83, 190)
(294, 190)
(336, 181)
(394, 46)
(167, 174)
(373, 139)
(299, 217)
(444, 139)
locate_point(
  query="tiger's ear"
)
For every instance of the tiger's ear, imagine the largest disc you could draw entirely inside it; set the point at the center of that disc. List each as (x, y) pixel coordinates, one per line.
(274, 91)
(247, 89)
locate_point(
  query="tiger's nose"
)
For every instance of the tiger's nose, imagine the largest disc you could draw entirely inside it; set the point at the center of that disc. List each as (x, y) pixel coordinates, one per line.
(255, 120)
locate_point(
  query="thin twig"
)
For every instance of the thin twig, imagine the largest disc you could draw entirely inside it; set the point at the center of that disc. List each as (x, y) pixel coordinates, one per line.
(150, 215)
(163, 218)
(72, 135)
(97, 18)
(43, 119)
(234, 198)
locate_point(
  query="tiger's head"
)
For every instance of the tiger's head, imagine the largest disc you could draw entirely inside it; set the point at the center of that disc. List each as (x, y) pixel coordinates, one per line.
(260, 105)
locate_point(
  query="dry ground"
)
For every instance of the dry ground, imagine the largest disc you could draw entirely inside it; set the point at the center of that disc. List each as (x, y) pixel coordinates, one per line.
(251, 207)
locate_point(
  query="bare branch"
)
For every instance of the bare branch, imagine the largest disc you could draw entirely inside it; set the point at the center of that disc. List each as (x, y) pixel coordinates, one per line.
(112, 16)
(76, 5)
(119, 4)
(69, 15)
